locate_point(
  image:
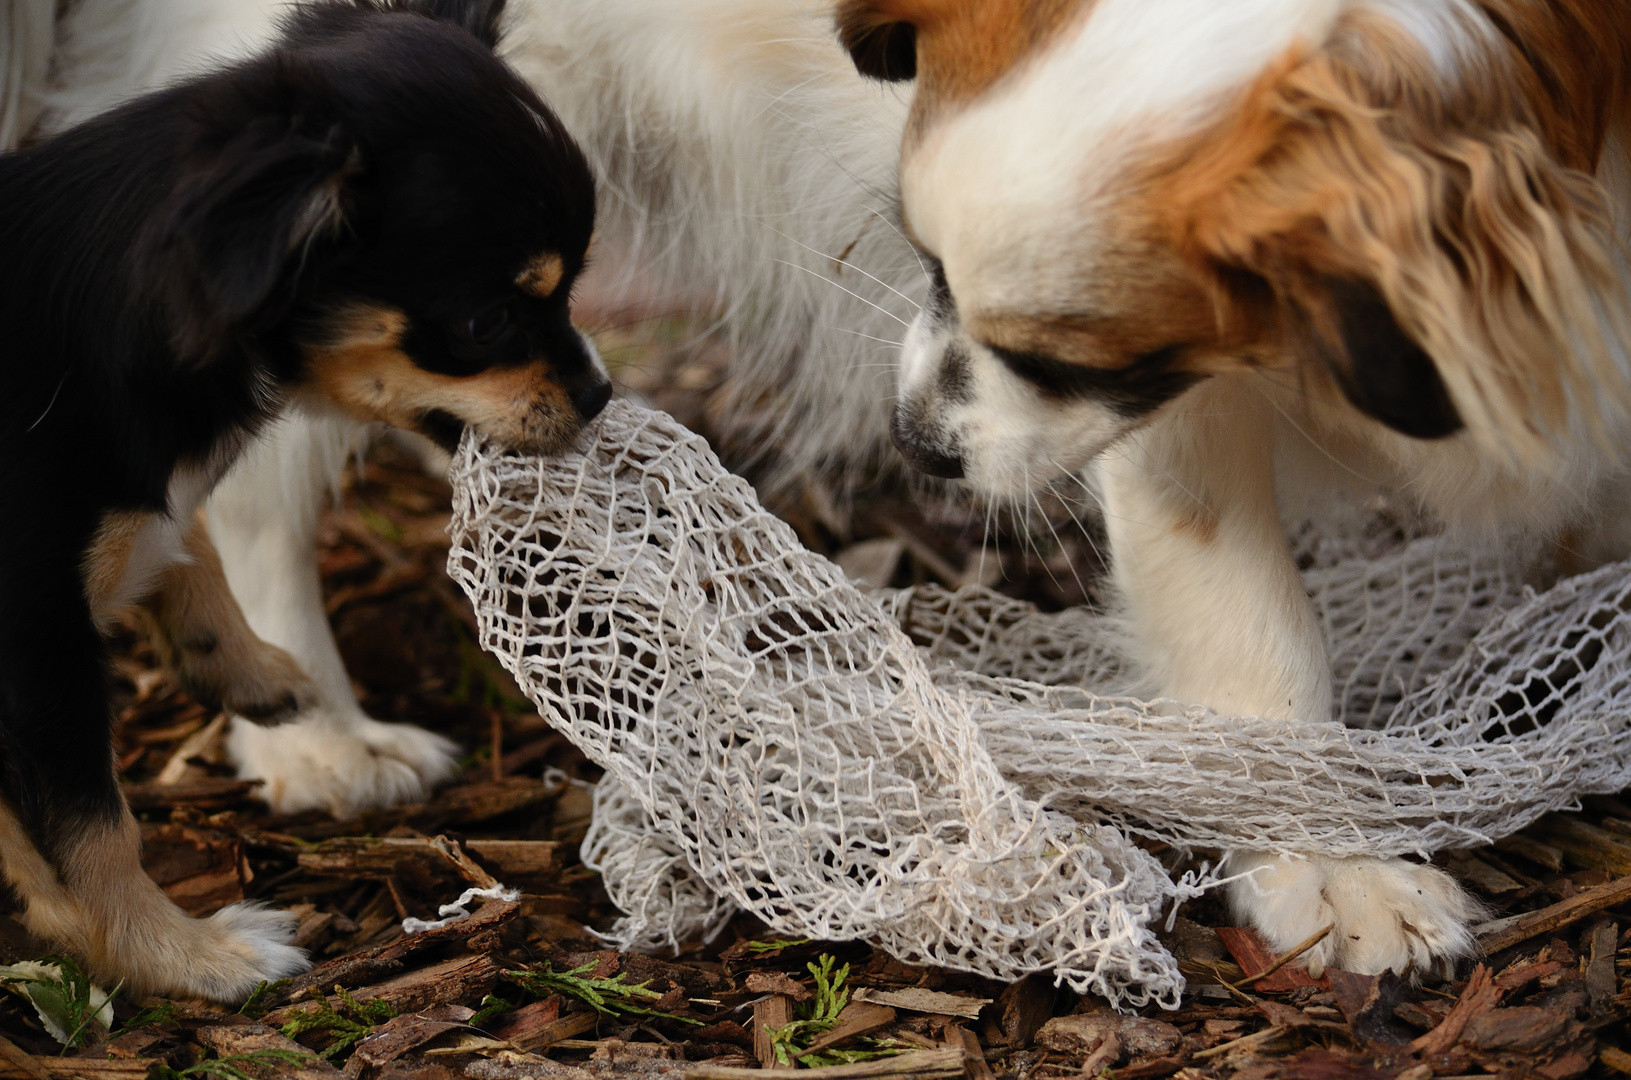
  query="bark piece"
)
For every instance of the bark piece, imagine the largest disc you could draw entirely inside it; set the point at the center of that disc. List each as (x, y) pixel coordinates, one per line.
(858, 1018)
(204, 792)
(233, 1040)
(1253, 955)
(15, 1056)
(1368, 1002)
(492, 798)
(1514, 979)
(775, 1011)
(776, 982)
(1525, 1029)
(59, 1068)
(463, 980)
(974, 1063)
(1478, 998)
(1601, 982)
(401, 1034)
(1504, 933)
(933, 1002)
(1022, 1009)
(1597, 849)
(528, 1019)
(567, 1027)
(201, 869)
(376, 858)
(922, 1065)
(1529, 848)
(1079, 1034)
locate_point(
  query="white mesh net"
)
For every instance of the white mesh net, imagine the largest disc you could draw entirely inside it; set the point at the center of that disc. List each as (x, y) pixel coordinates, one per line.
(932, 771)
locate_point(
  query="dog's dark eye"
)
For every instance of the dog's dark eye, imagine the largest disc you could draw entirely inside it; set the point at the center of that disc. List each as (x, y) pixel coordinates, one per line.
(490, 326)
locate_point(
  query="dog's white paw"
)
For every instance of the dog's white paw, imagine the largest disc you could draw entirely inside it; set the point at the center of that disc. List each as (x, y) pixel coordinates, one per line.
(1385, 914)
(344, 764)
(221, 958)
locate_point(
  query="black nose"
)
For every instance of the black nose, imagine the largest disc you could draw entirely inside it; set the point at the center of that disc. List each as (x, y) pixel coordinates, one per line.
(921, 454)
(591, 399)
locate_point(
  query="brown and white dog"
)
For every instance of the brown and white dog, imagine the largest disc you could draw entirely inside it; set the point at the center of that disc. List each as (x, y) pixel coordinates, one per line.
(1192, 240)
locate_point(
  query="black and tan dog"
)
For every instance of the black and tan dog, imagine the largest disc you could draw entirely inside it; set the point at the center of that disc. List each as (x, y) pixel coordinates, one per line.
(376, 216)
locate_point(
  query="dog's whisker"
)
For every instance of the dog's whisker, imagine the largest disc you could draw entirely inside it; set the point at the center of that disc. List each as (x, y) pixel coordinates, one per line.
(841, 262)
(852, 292)
(909, 245)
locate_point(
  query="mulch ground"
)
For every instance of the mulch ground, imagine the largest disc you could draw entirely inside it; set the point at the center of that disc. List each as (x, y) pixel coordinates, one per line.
(525, 989)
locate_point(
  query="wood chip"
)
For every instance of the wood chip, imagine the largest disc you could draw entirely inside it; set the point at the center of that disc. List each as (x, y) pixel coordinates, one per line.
(1504, 933)
(932, 1002)
(1529, 848)
(1252, 954)
(463, 980)
(16, 1056)
(777, 982)
(922, 1065)
(376, 858)
(1478, 998)
(59, 1068)
(775, 1011)
(1588, 845)
(858, 1018)
(1601, 982)
(1021, 1011)
(1249, 1042)
(237, 1039)
(204, 792)
(557, 1031)
(192, 746)
(974, 1063)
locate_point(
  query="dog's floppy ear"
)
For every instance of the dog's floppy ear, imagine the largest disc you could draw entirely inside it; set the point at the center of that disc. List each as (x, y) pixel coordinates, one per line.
(881, 46)
(1427, 246)
(226, 257)
(1346, 324)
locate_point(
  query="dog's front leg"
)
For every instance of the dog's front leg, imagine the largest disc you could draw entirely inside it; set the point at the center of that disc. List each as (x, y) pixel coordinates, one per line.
(1221, 619)
(263, 518)
(1201, 563)
(201, 635)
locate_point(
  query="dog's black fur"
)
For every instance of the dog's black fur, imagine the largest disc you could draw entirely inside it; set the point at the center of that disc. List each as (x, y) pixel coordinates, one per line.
(168, 269)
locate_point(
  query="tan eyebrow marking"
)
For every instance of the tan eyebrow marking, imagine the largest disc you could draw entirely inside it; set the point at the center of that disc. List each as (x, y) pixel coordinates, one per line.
(542, 275)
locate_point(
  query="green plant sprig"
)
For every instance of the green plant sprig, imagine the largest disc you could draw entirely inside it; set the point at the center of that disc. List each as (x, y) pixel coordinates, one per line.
(815, 1018)
(611, 997)
(776, 945)
(236, 1066)
(347, 1030)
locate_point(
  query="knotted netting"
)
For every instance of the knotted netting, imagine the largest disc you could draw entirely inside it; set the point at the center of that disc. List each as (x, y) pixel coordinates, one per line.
(950, 774)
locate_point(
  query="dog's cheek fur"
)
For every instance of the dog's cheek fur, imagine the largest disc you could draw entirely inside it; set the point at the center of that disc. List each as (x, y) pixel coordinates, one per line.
(361, 369)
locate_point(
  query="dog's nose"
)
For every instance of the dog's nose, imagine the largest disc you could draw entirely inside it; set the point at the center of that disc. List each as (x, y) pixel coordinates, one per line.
(921, 456)
(591, 399)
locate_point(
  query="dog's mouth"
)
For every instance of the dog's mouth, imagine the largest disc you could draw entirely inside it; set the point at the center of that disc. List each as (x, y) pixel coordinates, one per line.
(442, 428)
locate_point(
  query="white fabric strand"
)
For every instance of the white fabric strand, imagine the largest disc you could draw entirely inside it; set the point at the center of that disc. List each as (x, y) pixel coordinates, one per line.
(932, 771)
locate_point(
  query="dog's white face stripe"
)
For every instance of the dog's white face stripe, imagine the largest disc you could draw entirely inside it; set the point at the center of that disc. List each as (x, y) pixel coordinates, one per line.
(1007, 185)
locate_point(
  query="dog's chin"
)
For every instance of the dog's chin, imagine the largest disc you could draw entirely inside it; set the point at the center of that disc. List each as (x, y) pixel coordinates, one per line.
(1019, 477)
